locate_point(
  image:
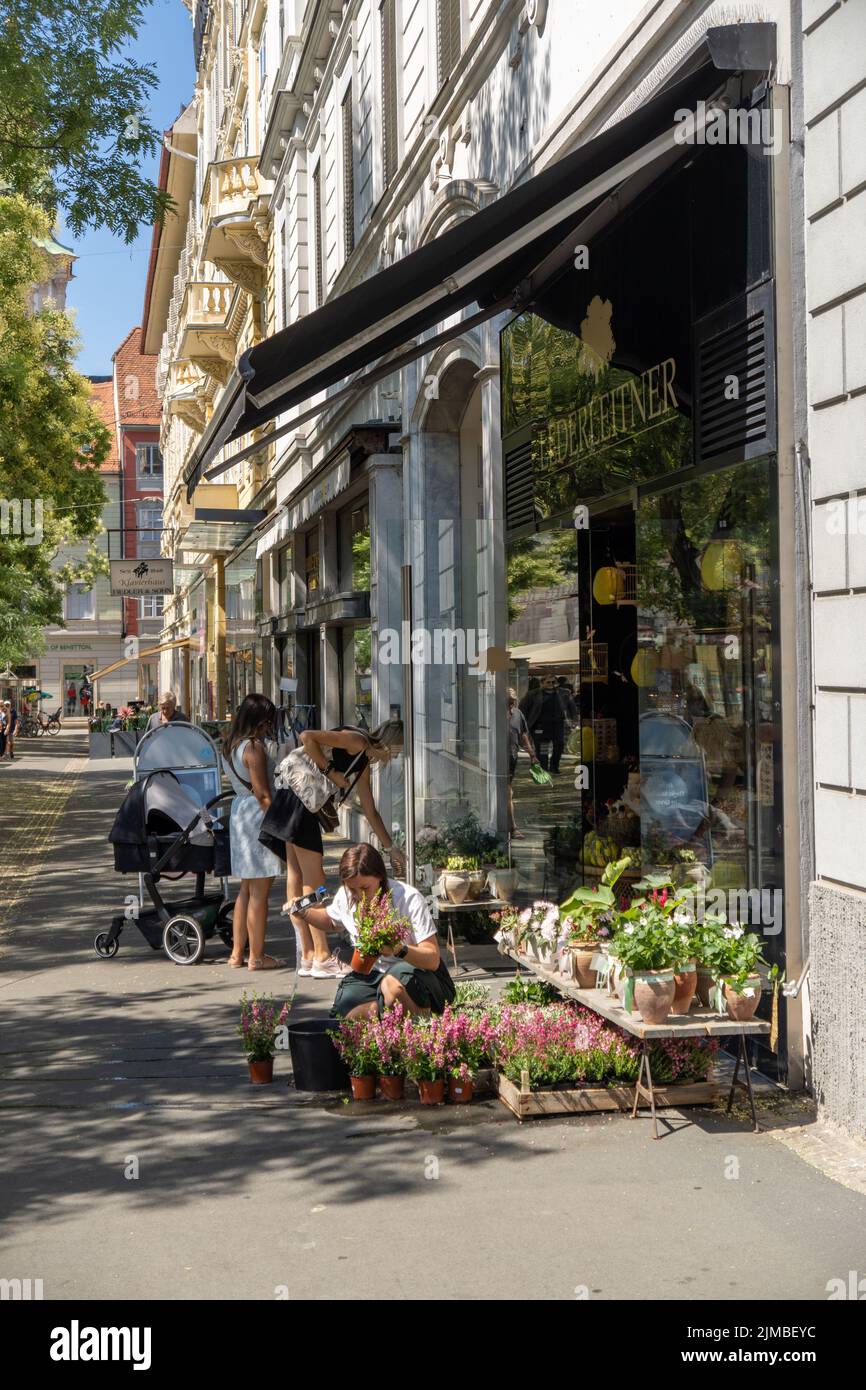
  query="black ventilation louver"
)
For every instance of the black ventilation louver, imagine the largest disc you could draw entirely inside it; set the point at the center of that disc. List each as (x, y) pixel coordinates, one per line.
(519, 485)
(735, 379)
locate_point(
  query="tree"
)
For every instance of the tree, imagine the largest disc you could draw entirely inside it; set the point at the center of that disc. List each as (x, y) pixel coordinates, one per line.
(73, 124)
(52, 443)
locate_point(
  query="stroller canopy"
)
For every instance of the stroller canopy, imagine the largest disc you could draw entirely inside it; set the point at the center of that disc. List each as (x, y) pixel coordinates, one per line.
(159, 805)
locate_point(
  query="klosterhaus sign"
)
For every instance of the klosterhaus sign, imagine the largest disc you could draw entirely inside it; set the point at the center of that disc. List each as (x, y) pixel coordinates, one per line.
(613, 415)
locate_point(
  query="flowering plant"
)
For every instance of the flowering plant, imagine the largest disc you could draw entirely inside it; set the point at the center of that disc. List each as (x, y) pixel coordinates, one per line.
(739, 958)
(260, 1024)
(588, 914)
(538, 925)
(355, 1043)
(470, 1040)
(424, 1047)
(462, 863)
(386, 1039)
(656, 932)
(379, 927)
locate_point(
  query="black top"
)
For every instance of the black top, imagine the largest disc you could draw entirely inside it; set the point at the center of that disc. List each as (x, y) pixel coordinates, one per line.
(342, 759)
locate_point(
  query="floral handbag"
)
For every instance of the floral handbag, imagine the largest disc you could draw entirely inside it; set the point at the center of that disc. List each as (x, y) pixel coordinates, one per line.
(298, 773)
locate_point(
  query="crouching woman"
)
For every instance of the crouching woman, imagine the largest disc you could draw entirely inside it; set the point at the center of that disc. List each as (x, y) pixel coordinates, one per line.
(415, 975)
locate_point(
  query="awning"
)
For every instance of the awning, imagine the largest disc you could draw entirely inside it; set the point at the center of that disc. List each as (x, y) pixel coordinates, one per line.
(152, 651)
(217, 531)
(277, 532)
(485, 259)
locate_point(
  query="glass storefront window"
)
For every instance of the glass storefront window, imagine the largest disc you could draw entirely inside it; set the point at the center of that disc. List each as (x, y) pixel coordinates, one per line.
(311, 560)
(353, 530)
(283, 568)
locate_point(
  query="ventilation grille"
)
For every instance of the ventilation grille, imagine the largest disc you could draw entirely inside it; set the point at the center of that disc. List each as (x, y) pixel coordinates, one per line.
(736, 386)
(519, 508)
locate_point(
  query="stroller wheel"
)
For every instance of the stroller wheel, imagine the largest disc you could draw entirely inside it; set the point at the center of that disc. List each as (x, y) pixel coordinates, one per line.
(225, 925)
(183, 940)
(106, 945)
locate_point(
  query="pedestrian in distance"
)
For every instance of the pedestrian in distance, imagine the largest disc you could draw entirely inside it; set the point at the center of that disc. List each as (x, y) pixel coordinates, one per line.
(249, 766)
(71, 697)
(11, 729)
(168, 712)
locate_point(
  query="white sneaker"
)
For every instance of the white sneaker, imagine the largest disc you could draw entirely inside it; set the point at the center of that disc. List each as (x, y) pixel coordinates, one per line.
(330, 969)
(305, 967)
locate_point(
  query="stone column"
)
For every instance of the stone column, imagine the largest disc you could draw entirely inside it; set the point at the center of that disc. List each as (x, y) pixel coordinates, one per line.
(386, 558)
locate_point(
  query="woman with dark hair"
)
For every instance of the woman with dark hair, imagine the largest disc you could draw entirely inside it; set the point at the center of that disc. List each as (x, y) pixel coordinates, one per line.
(345, 755)
(415, 976)
(250, 771)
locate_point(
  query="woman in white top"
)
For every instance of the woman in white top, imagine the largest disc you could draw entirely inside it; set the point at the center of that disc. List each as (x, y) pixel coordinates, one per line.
(250, 771)
(415, 976)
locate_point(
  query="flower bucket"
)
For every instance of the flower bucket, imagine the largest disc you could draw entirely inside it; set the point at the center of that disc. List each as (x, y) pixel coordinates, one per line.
(705, 985)
(392, 1087)
(742, 1006)
(504, 884)
(431, 1092)
(362, 965)
(686, 981)
(654, 994)
(477, 879)
(363, 1087)
(262, 1072)
(460, 1092)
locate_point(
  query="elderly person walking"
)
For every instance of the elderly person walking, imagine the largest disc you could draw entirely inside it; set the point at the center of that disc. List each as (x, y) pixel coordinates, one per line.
(168, 711)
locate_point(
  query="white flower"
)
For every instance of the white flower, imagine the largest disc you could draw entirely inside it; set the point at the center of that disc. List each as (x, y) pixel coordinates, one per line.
(682, 919)
(748, 993)
(736, 932)
(726, 931)
(629, 931)
(644, 919)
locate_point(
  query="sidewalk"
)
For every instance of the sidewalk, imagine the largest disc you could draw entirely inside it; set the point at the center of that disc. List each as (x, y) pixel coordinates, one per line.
(131, 1066)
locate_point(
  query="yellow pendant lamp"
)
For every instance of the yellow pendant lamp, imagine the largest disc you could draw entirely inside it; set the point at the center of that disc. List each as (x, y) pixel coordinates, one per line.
(608, 586)
(722, 566)
(644, 667)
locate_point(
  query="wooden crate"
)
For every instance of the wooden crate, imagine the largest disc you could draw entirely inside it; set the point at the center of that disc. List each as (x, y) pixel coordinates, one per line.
(527, 1104)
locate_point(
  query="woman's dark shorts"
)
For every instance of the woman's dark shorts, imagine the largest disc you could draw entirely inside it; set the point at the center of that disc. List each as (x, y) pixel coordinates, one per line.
(429, 989)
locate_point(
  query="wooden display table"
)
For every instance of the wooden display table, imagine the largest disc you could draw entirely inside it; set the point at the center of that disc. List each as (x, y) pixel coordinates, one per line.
(697, 1023)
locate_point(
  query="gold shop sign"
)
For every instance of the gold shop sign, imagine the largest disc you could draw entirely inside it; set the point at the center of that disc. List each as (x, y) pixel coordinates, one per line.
(626, 410)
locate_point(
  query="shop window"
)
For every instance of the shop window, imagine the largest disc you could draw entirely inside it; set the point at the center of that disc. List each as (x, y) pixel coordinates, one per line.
(284, 579)
(148, 537)
(151, 605)
(259, 589)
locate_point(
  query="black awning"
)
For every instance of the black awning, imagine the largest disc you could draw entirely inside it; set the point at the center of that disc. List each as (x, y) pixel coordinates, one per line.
(485, 259)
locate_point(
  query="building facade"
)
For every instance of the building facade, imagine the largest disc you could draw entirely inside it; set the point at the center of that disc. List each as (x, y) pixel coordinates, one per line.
(627, 480)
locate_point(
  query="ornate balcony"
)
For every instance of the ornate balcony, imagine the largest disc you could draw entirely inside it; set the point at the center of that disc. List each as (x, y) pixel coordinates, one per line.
(206, 337)
(234, 206)
(187, 395)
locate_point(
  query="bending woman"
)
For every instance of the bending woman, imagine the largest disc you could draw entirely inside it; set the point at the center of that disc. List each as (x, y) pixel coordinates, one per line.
(415, 976)
(335, 751)
(251, 773)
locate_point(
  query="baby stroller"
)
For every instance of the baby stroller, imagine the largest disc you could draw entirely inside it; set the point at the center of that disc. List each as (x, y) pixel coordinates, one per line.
(169, 826)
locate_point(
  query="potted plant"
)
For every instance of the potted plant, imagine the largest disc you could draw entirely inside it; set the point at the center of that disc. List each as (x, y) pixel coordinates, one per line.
(259, 1028)
(457, 877)
(354, 1042)
(99, 737)
(538, 930)
(648, 944)
(466, 1045)
(386, 1035)
(379, 928)
(708, 949)
(502, 877)
(739, 986)
(424, 1053)
(123, 739)
(588, 916)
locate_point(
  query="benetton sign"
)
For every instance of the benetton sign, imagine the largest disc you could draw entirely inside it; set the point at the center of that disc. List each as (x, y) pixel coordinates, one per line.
(613, 415)
(139, 577)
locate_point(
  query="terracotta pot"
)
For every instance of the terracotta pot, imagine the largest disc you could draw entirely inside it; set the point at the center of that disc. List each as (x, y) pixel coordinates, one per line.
(705, 984)
(582, 953)
(363, 1087)
(392, 1087)
(459, 1091)
(740, 1007)
(654, 994)
(262, 1073)
(431, 1092)
(686, 982)
(456, 885)
(362, 965)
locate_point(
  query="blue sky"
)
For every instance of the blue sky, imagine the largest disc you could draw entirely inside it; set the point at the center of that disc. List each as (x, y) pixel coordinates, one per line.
(107, 293)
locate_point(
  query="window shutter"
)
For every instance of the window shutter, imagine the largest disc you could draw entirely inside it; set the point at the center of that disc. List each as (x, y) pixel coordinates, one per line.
(735, 416)
(447, 38)
(388, 30)
(284, 278)
(348, 173)
(519, 485)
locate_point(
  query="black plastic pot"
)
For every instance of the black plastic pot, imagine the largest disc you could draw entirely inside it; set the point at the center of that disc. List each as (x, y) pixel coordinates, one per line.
(316, 1064)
